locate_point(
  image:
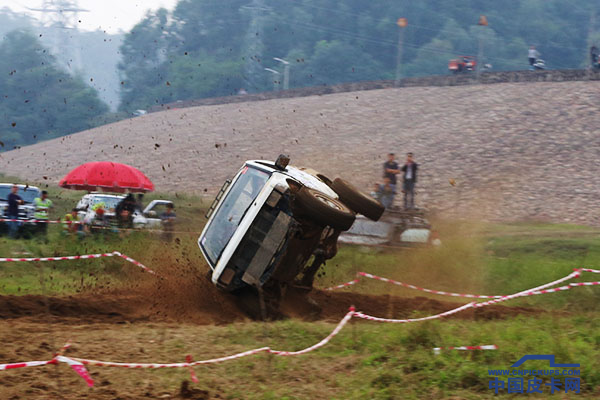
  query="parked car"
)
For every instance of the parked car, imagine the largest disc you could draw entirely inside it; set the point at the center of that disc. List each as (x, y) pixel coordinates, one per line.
(397, 227)
(150, 216)
(267, 223)
(147, 218)
(26, 210)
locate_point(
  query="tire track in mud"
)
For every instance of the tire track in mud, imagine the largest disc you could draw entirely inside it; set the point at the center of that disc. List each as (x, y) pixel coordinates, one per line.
(200, 303)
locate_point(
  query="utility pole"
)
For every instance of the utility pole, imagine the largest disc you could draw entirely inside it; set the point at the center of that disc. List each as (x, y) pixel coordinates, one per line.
(286, 72)
(402, 23)
(483, 23)
(590, 39)
(62, 16)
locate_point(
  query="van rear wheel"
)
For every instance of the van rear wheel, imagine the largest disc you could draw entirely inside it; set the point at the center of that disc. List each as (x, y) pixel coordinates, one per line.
(324, 210)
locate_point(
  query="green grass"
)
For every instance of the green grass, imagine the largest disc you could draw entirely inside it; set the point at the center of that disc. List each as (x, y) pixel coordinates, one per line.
(65, 277)
(471, 262)
(366, 360)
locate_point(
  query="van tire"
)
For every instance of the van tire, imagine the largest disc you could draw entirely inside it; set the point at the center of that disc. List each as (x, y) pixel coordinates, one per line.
(358, 201)
(323, 210)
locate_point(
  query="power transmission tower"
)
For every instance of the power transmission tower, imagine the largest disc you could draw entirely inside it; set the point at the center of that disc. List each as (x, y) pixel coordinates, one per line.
(253, 44)
(61, 18)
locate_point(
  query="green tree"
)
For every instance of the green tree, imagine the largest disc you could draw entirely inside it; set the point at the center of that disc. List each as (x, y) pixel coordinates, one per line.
(203, 76)
(328, 41)
(143, 67)
(340, 62)
(40, 101)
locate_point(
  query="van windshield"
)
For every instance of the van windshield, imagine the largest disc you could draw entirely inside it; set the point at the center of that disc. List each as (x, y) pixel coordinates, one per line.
(232, 210)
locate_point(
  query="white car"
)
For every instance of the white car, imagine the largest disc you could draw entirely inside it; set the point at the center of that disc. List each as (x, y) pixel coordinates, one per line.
(267, 223)
(148, 218)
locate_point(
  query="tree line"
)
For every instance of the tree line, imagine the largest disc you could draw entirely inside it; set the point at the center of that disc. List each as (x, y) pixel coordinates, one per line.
(208, 48)
(217, 47)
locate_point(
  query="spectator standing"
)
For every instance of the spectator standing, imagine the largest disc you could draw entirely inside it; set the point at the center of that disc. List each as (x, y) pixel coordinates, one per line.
(594, 56)
(390, 170)
(139, 204)
(168, 222)
(42, 206)
(409, 180)
(386, 193)
(532, 54)
(14, 200)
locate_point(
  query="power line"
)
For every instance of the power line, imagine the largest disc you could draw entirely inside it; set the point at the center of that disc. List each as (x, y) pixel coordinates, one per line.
(439, 30)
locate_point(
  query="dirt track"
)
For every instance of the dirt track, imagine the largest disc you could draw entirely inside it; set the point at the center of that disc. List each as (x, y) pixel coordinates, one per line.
(203, 305)
(149, 322)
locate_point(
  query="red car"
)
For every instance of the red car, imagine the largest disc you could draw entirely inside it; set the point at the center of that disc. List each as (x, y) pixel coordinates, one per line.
(462, 64)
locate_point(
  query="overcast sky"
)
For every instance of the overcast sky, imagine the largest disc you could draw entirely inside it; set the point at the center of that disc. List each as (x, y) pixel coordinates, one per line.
(107, 15)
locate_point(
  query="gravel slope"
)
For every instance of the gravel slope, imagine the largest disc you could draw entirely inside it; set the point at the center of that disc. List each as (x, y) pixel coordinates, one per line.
(516, 150)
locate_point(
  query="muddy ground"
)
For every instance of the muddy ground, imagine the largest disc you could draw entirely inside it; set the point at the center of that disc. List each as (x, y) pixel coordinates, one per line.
(156, 321)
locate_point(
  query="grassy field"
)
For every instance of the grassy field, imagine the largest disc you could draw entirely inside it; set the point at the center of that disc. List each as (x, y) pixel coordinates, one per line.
(367, 360)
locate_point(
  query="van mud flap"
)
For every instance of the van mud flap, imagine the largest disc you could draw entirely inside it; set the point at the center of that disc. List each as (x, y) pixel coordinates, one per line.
(267, 250)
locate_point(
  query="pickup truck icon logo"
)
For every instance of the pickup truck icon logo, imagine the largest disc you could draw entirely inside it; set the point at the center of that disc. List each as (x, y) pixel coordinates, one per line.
(549, 357)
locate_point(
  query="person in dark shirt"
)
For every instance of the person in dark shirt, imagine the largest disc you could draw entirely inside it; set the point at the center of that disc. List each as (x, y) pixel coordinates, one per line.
(124, 211)
(14, 200)
(139, 204)
(409, 175)
(390, 170)
(168, 221)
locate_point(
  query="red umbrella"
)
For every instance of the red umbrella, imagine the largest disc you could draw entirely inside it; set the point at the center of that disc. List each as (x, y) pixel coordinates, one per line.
(107, 176)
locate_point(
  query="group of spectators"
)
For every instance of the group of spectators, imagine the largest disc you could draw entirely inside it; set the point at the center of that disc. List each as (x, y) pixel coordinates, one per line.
(95, 217)
(42, 206)
(386, 192)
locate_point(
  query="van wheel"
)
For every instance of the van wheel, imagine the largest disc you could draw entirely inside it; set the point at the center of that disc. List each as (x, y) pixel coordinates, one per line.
(324, 210)
(358, 201)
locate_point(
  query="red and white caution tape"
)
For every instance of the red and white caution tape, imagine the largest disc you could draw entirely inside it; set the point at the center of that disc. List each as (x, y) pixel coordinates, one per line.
(437, 350)
(595, 271)
(77, 367)
(78, 364)
(323, 342)
(47, 221)
(402, 321)
(535, 291)
(343, 285)
(574, 274)
(134, 262)
(408, 285)
(80, 257)
(379, 278)
(25, 364)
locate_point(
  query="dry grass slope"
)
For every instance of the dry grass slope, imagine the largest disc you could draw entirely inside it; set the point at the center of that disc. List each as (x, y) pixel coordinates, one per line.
(516, 150)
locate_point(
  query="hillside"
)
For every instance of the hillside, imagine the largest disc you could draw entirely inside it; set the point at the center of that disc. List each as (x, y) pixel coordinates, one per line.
(516, 150)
